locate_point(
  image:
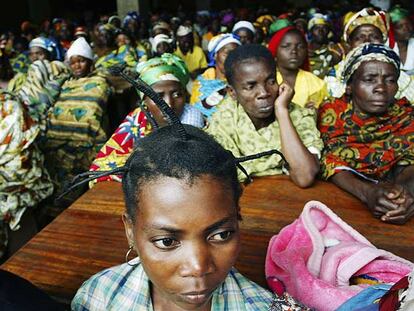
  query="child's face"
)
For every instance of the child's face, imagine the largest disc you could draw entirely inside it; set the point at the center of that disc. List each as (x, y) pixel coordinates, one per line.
(187, 237)
(291, 52)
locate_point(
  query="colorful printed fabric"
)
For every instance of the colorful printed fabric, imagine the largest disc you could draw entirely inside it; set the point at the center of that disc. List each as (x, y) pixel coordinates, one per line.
(42, 88)
(126, 287)
(207, 92)
(16, 83)
(320, 61)
(308, 88)
(75, 127)
(23, 180)
(117, 149)
(141, 52)
(20, 63)
(124, 55)
(196, 59)
(233, 129)
(370, 145)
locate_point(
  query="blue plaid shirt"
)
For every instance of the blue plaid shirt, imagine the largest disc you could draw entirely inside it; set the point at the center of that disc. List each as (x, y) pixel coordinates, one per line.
(128, 288)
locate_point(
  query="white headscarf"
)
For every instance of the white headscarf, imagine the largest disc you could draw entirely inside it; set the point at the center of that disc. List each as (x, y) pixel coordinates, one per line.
(80, 47)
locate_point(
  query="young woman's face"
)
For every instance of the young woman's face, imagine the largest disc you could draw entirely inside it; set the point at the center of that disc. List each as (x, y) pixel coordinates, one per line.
(173, 94)
(292, 51)
(373, 87)
(403, 29)
(37, 53)
(222, 55)
(80, 66)
(246, 35)
(187, 237)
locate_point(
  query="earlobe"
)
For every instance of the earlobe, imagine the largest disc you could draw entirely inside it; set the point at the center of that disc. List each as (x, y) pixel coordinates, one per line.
(129, 229)
(232, 92)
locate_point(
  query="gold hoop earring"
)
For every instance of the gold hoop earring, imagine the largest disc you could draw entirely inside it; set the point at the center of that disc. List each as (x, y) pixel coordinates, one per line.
(130, 249)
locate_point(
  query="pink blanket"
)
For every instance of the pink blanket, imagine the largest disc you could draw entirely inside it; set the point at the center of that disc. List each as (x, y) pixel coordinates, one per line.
(314, 258)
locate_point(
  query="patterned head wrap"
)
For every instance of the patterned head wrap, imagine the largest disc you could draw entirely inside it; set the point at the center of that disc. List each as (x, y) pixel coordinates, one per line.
(367, 16)
(217, 42)
(168, 67)
(317, 19)
(398, 13)
(46, 44)
(368, 52)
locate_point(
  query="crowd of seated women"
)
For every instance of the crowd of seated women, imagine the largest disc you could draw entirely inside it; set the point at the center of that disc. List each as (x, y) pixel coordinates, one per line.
(334, 103)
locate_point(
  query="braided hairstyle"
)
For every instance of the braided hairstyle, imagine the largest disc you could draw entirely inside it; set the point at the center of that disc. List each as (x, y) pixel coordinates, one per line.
(165, 153)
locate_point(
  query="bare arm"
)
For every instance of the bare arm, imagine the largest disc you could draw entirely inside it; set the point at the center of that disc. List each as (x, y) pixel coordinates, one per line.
(303, 165)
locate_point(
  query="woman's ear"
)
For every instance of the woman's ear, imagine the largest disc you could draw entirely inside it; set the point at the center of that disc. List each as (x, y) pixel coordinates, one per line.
(129, 229)
(232, 92)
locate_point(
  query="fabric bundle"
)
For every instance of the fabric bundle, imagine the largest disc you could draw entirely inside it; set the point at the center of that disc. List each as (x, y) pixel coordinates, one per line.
(322, 261)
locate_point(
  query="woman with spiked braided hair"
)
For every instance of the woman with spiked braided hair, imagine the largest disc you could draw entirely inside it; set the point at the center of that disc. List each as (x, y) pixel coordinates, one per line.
(182, 219)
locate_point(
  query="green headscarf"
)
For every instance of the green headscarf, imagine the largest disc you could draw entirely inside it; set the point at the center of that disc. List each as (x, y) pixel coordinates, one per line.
(397, 13)
(168, 67)
(279, 24)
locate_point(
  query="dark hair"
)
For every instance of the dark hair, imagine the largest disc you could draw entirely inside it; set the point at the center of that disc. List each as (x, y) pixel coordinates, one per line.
(245, 53)
(165, 153)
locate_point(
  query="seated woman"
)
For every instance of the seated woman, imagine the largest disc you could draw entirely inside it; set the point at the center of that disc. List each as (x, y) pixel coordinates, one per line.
(258, 115)
(289, 48)
(109, 54)
(210, 87)
(368, 135)
(168, 76)
(245, 31)
(40, 48)
(24, 181)
(161, 44)
(75, 131)
(367, 25)
(182, 219)
(403, 31)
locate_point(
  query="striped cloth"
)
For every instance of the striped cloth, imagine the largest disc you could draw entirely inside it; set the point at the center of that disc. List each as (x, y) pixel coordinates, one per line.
(128, 288)
(124, 55)
(41, 89)
(75, 130)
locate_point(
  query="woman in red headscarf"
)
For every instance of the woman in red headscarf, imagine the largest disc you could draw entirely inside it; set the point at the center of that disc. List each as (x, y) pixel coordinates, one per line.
(289, 48)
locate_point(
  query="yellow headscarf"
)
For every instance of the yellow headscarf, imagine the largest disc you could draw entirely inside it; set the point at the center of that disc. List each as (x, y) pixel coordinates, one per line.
(366, 16)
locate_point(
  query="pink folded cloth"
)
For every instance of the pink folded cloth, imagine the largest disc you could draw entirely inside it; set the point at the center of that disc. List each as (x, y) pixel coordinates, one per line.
(314, 258)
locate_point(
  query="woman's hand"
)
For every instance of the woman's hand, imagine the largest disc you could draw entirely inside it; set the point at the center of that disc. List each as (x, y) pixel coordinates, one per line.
(284, 98)
(391, 202)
